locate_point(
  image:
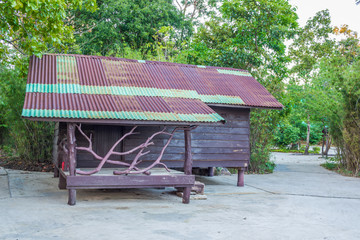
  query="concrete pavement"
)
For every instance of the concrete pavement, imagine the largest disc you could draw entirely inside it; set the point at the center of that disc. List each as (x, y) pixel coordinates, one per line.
(301, 200)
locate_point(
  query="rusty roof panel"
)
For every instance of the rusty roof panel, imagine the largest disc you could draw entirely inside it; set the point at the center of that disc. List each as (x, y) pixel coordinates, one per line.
(88, 86)
(108, 107)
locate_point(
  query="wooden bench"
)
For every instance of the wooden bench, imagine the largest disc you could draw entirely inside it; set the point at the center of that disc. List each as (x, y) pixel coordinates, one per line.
(105, 179)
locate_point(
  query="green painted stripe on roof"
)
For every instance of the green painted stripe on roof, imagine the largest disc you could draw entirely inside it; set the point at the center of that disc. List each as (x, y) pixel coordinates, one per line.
(124, 115)
(238, 73)
(111, 90)
(130, 91)
(221, 99)
(201, 66)
(141, 61)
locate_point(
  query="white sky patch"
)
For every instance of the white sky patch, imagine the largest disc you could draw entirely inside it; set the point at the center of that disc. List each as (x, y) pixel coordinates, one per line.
(341, 11)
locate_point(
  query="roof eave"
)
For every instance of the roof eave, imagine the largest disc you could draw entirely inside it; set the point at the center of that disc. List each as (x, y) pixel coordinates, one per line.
(243, 106)
(122, 122)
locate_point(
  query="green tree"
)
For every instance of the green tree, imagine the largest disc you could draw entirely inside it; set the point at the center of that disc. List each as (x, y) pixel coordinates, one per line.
(250, 35)
(120, 24)
(31, 27)
(342, 73)
(312, 43)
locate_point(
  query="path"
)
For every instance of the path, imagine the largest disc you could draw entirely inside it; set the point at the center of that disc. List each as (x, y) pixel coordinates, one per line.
(301, 200)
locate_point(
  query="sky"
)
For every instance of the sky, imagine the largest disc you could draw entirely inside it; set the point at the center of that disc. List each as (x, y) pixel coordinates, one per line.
(341, 11)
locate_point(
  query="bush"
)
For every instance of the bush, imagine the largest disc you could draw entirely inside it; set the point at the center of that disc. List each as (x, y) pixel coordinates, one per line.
(316, 150)
(287, 134)
(261, 139)
(32, 141)
(330, 165)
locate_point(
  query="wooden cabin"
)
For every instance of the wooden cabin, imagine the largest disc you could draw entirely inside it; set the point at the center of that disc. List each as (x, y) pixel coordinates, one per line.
(188, 116)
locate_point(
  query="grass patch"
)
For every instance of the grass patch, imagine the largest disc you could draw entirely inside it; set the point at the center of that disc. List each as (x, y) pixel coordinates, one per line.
(333, 164)
(315, 151)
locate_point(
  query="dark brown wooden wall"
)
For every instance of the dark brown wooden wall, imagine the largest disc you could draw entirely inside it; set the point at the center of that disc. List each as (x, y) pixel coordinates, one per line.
(212, 146)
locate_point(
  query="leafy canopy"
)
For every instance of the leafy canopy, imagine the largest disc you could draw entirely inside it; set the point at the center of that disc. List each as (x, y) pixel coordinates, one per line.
(32, 26)
(248, 34)
(121, 23)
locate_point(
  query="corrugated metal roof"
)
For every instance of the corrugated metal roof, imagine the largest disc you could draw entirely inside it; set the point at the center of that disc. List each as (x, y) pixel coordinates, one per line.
(77, 86)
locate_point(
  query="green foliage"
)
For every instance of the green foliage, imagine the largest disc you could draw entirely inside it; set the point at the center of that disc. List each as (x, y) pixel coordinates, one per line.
(316, 149)
(287, 134)
(250, 35)
(31, 140)
(121, 24)
(30, 27)
(260, 159)
(315, 134)
(330, 165)
(312, 42)
(342, 73)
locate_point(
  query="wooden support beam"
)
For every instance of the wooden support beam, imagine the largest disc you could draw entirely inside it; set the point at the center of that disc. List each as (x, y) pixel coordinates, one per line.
(71, 147)
(240, 181)
(55, 151)
(58, 161)
(188, 156)
(187, 164)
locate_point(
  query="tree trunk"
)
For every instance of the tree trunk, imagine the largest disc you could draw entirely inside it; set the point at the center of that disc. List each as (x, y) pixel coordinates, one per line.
(328, 144)
(307, 136)
(323, 142)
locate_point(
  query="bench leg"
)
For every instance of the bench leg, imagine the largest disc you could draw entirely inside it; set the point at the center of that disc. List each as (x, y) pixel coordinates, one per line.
(72, 197)
(240, 182)
(186, 195)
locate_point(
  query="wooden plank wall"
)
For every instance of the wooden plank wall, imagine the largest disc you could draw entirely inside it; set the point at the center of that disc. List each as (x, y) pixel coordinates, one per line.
(212, 146)
(226, 145)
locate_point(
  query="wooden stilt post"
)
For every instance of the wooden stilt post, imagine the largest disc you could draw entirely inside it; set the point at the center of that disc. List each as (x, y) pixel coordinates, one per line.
(55, 152)
(211, 171)
(71, 146)
(240, 181)
(187, 164)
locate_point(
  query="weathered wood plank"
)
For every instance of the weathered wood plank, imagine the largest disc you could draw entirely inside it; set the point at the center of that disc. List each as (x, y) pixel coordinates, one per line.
(213, 136)
(220, 157)
(199, 150)
(180, 163)
(197, 157)
(196, 143)
(129, 181)
(223, 130)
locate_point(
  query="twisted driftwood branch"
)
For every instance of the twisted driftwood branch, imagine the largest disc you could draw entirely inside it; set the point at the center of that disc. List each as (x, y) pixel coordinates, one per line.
(132, 167)
(107, 156)
(140, 153)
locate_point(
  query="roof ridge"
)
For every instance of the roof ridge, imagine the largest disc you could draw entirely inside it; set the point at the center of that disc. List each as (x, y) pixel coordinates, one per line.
(147, 61)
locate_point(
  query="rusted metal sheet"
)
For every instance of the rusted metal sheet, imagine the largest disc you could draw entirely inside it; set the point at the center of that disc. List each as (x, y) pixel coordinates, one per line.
(78, 86)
